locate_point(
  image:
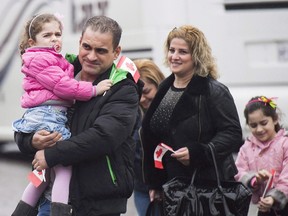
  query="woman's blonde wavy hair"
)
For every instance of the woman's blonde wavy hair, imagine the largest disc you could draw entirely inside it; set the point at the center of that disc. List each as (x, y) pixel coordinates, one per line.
(150, 71)
(204, 62)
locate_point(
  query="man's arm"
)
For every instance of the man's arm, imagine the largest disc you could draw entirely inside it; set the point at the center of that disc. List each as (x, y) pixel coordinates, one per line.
(30, 143)
(112, 126)
(24, 140)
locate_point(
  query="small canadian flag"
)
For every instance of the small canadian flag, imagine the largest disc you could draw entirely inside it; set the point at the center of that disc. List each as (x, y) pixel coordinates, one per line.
(159, 152)
(37, 177)
(128, 65)
(269, 184)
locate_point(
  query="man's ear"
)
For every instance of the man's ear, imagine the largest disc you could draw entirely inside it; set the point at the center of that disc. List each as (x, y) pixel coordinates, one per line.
(80, 40)
(117, 52)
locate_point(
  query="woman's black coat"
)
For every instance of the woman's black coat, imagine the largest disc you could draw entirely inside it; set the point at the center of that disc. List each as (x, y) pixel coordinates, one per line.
(205, 113)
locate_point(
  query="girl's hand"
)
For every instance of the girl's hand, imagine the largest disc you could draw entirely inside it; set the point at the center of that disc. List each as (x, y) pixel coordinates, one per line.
(265, 204)
(182, 155)
(262, 175)
(103, 86)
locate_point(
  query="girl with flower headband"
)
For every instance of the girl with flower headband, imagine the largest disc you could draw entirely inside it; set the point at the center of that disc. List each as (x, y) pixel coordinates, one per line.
(50, 88)
(262, 161)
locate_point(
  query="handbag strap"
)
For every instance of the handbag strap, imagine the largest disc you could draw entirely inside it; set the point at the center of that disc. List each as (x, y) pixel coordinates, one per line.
(225, 205)
(213, 152)
(212, 207)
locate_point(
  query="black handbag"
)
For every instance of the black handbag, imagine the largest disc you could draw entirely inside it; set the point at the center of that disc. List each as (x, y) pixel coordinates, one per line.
(186, 197)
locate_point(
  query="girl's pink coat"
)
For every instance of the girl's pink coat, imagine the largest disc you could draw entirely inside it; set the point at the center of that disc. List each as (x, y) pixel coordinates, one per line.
(254, 156)
(49, 76)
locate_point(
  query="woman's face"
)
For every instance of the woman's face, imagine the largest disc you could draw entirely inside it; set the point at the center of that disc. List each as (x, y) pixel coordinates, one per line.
(148, 93)
(179, 57)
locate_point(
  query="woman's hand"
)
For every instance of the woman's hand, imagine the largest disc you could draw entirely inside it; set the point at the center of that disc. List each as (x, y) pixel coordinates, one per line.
(182, 155)
(265, 204)
(155, 195)
(43, 139)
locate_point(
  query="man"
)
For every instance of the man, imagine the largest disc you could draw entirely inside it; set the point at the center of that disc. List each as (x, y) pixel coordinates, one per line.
(101, 148)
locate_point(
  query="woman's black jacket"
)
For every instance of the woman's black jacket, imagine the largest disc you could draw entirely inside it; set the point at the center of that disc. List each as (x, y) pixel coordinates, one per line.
(205, 113)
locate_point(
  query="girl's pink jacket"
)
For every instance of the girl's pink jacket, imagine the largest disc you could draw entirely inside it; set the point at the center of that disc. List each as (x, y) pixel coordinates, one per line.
(254, 156)
(49, 76)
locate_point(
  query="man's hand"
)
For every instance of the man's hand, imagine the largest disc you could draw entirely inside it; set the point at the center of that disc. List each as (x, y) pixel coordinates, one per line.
(43, 139)
(39, 162)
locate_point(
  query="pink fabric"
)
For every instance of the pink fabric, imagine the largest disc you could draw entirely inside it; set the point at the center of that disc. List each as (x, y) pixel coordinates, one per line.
(60, 189)
(49, 76)
(253, 182)
(254, 156)
(32, 194)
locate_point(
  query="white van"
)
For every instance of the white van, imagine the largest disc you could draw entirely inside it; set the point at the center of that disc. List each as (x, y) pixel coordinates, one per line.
(249, 39)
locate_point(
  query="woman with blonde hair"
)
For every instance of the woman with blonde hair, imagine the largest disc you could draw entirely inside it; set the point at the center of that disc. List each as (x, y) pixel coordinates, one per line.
(190, 110)
(152, 76)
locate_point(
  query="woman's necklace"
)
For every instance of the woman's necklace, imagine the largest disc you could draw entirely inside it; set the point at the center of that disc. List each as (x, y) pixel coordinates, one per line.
(181, 83)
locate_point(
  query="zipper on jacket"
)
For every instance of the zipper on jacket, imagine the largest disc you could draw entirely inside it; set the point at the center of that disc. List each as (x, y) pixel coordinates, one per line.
(142, 158)
(113, 177)
(199, 118)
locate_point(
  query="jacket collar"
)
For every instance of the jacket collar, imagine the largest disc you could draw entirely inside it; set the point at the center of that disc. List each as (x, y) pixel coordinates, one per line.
(196, 87)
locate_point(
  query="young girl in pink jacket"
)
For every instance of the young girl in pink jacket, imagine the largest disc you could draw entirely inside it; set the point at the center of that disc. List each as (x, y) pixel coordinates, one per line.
(265, 152)
(50, 88)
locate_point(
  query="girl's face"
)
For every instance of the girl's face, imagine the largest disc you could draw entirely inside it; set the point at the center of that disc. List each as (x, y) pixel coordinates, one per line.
(50, 36)
(261, 126)
(179, 57)
(148, 93)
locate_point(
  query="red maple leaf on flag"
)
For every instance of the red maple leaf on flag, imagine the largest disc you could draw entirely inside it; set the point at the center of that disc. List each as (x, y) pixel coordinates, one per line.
(130, 66)
(159, 152)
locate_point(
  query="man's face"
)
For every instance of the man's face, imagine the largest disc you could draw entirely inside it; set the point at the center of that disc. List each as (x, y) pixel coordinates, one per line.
(96, 53)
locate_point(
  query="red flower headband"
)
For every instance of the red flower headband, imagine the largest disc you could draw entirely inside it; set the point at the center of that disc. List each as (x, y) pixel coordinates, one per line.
(264, 100)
